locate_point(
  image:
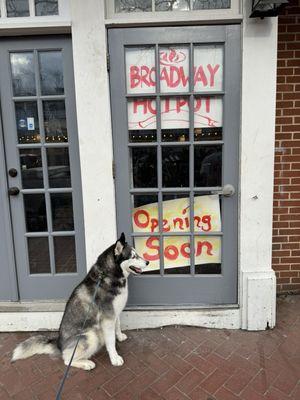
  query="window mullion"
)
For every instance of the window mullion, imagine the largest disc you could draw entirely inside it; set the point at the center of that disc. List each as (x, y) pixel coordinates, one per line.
(31, 8)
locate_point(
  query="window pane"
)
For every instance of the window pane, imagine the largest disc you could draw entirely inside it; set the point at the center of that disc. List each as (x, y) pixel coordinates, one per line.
(65, 254)
(145, 213)
(208, 166)
(27, 122)
(17, 8)
(46, 7)
(62, 211)
(144, 167)
(174, 69)
(133, 5)
(175, 118)
(148, 248)
(38, 253)
(207, 213)
(175, 166)
(210, 4)
(35, 212)
(31, 168)
(176, 212)
(172, 5)
(142, 120)
(140, 70)
(55, 121)
(51, 71)
(177, 255)
(208, 254)
(208, 118)
(208, 68)
(58, 167)
(23, 78)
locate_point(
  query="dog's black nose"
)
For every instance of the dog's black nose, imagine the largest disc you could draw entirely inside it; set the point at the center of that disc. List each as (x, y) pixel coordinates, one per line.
(147, 262)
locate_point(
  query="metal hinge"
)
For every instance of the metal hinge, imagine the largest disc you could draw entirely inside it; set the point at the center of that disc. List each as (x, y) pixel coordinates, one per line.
(108, 61)
(114, 170)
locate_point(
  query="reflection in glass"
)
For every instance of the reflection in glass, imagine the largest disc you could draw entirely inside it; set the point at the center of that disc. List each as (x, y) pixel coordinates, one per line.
(17, 8)
(27, 122)
(177, 254)
(31, 168)
(174, 69)
(35, 212)
(145, 213)
(144, 167)
(65, 254)
(62, 211)
(208, 68)
(51, 72)
(172, 5)
(210, 4)
(140, 70)
(133, 6)
(176, 212)
(208, 250)
(208, 165)
(175, 166)
(58, 167)
(148, 248)
(46, 7)
(22, 69)
(38, 254)
(208, 134)
(55, 121)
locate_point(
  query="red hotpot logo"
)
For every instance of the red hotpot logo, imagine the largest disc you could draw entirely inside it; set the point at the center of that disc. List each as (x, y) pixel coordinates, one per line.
(172, 57)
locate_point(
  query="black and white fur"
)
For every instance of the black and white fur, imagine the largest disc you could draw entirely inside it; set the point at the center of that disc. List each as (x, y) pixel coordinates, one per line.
(113, 267)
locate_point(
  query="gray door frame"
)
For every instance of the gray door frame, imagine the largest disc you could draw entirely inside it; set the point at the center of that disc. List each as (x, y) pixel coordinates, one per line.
(8, 278)
(41, 286)
(180, 290)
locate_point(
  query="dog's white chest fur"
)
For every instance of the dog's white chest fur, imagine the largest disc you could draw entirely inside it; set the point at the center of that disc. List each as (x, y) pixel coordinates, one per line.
(120, 300)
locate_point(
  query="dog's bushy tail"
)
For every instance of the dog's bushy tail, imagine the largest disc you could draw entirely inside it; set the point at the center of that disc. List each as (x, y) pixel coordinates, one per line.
(35, 345)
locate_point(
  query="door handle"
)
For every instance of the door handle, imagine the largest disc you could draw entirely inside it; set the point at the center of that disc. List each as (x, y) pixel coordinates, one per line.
(227, 191)
(13, 191)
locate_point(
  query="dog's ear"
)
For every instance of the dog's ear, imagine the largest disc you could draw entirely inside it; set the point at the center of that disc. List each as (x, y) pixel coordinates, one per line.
(120, 244)
(118, 248)
(122, 239)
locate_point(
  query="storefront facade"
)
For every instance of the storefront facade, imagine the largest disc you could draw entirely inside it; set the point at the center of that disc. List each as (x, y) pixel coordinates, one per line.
(154, 122)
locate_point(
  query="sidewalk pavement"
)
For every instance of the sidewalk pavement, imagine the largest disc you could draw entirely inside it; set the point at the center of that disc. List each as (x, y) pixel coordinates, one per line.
(172, 363)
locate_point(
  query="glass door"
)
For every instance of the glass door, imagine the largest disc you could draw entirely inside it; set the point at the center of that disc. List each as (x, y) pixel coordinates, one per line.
(175, 114)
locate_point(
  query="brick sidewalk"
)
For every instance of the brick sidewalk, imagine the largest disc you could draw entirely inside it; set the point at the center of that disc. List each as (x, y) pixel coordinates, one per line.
(173, 363)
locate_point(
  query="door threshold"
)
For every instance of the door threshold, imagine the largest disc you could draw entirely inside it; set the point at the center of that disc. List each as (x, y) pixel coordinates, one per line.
(34, 306)
(186, 307)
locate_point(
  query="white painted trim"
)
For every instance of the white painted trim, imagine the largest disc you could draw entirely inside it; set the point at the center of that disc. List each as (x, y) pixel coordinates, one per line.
(43, 321)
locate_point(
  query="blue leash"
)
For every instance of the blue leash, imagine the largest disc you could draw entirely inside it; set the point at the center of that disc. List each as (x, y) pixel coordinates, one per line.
(61, 386)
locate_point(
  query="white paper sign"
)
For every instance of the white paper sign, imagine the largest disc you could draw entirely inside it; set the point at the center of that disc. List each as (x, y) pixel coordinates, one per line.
(30, 124)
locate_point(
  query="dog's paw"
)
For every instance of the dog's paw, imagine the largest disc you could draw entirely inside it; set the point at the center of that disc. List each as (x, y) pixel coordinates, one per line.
(88, 365)
(117, 361)
(121, 337)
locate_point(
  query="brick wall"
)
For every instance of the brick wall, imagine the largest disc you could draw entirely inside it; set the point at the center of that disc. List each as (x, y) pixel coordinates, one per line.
(286, 225)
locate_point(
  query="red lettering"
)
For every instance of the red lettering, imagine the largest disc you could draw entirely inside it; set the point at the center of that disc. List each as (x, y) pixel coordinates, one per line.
(178, 221)
(166, 226)
(200, 246)
(150, 244)
(134, 76)
(184, 251)
(212, 71)
(171, 252)
(137, 218)
(154, 224)
(200, 76)
(206, 219)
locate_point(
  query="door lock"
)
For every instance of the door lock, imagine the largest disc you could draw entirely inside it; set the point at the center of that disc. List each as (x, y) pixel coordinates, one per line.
(13, 191)
(227, 191)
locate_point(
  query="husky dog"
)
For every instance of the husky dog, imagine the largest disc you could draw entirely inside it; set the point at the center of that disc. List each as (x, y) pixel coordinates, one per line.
(103, 315)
